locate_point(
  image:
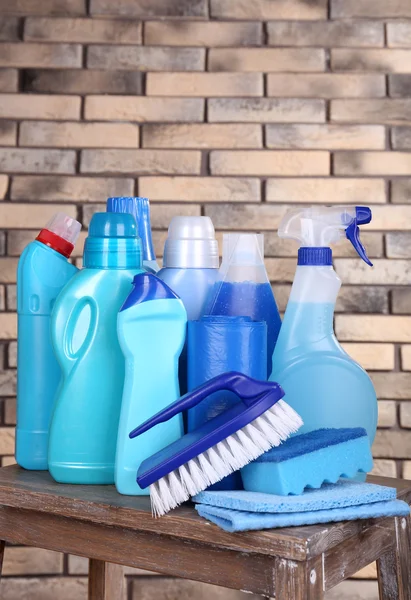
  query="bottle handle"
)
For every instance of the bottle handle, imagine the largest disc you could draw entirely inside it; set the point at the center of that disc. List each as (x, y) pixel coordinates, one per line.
(68, 336)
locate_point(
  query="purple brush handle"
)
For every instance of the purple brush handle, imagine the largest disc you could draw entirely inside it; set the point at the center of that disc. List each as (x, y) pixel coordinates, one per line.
(246, 388)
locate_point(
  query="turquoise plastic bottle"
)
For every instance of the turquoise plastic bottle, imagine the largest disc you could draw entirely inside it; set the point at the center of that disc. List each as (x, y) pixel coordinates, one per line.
(321, 381)
(151, 330)
(42, 273)
(84, 426)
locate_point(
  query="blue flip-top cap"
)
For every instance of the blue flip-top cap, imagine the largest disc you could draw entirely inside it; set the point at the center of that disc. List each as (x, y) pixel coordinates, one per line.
(147, 286)
(363, 215)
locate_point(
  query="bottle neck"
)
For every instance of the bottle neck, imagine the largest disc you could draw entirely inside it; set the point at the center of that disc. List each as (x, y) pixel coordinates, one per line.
(55, 242)
(112, 253)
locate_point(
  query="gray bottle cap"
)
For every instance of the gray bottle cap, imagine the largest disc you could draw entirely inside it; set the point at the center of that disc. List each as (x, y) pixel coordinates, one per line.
(191, 244)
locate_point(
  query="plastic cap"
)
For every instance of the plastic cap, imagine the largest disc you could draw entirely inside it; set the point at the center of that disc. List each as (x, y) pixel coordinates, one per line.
(112, 225)
(65, 227)
(191, 244)
(147, 286)
(112, 242)
(310, 256)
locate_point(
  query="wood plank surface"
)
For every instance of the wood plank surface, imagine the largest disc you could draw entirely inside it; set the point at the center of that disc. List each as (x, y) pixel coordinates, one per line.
(299, 580)
(394, 566)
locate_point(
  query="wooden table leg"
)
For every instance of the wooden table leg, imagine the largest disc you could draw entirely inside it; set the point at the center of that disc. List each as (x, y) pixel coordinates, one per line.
(299, 580)
(105, 581)
(394, 576)
(2, 548)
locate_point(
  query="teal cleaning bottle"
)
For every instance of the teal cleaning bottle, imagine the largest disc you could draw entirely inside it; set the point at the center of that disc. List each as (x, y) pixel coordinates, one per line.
(151, 329)
(42, 273)
(140, 209)
(83, 433)
(322, 382)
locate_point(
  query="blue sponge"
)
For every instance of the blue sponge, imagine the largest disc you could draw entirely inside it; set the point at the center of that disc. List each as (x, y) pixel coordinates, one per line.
(309, 460)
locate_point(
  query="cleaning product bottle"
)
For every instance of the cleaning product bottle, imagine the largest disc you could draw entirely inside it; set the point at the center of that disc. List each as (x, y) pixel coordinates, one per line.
(243, 288)
(43, 271)
(151, 330)
(140, 209)
(322, 382)
(190, 267)
(83, 432)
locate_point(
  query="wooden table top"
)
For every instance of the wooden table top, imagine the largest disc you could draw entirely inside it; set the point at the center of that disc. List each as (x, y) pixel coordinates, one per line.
(37, 491)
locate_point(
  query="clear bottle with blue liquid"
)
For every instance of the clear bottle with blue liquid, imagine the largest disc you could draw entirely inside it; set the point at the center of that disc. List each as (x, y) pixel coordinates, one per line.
(322, 382)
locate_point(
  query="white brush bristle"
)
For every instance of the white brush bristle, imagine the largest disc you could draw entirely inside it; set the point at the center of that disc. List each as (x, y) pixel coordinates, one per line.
(267, 431)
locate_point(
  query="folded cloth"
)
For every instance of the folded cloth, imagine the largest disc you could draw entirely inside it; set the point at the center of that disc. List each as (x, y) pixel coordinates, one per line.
(345, 492)
(238, 520)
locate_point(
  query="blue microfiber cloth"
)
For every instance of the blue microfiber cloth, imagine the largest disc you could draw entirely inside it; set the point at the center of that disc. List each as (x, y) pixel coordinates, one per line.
(237, 520)
(344, 493)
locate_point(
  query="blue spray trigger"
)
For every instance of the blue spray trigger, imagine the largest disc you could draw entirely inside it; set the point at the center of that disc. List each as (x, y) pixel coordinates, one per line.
(363, 216)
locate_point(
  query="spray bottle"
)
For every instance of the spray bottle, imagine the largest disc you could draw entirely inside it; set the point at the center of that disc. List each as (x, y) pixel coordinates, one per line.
(322, 382)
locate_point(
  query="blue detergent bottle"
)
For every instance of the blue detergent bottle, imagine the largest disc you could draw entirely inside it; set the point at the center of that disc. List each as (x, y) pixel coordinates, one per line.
(322, 382)
(242, 287)
(139, 207)
(151, 330)
(42, 273)
(83, 432)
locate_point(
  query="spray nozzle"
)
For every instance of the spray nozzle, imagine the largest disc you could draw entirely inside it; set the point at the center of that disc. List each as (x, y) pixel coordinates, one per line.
(318, 227)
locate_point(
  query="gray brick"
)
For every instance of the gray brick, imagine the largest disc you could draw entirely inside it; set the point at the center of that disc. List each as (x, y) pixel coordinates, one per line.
(360, 299)
(399, 34)
(8, 80)
(200, 33)
(328, 33)
(401, 191)
(44, 588)
(12, 355)
(32, 54)
(87, 31)
(141, 162)
(370, 8)
(9, 411)
(325, 136)
(89, 210)
(43, 7)
(145, 58)
(181, 589)
(398, 245)
(150, 8)
(391, 111)
(9, 29)
(354, 590)
(267, 9)
(281, 294)
(11, 297)
(8, 383)
(2, 298)
(379, 60)
(401, 301)
(245, 216)
(401, 138)
(399, 85)
(270, 110)
(392, 444)
(2, 243)
(8, 133)
(32, 161)
(161, 214)
(87, 81)
(17, 240)
(396, 386)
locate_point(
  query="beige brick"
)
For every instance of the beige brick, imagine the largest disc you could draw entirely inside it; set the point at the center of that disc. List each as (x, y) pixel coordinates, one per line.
(372, 163)
(211, 33)
(392, 385)
(8, 275)
(9, 29)
(8, 80)
(401, 191)
(375, 357)
(330, 33)
(8, 133)
(330, 190)
(399, 34)
(384, 468)
(19, 160)
(387, 414)
(8, 381)
(269, 110)
(401, 138)
(86, 81)
(130, 108)
(368, 572)
(86, 31)
(204, 135)
(375, 328)
(398, 245)
(327, 137)
(326, 85)
(43, 7)
(371, 111)
(269, 163)
(31, 561)
(79, 135)
(44, 588)
(399, 86)
(200, 189)
(11, 290)
(85, 189)
(12, 355)
(389, 272)
(406, 358)
(384, 61)
(354, 590)
(146, 58)
(181, 589)
(390, 217)
(27, 216)
(6, 440)
(205, 84)
(6, 461)
(150, 8)
(266, 59)
(4, 183)
(392, 444)
(246, 217)
(40, 55)
(161, 214)
(401, 301)
(39, 106)
(374, 9)
(405, 413)
(266, 9)
(141, 162)
(8, 321)
(406, 470)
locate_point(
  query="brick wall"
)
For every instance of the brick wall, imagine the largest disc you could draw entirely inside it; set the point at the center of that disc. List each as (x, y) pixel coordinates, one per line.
(229, 108)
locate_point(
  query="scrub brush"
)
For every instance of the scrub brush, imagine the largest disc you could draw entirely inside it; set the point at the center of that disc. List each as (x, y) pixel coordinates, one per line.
(229, 441)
